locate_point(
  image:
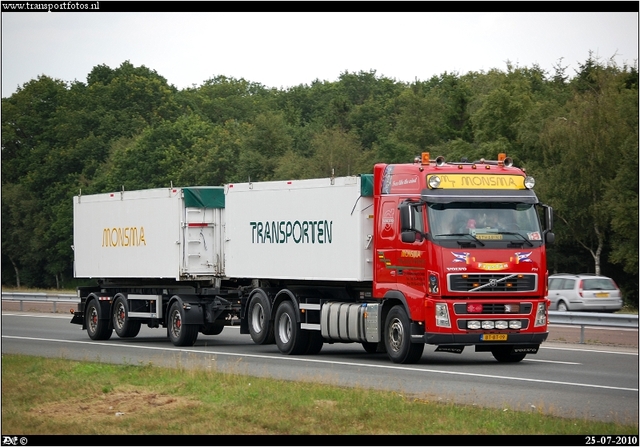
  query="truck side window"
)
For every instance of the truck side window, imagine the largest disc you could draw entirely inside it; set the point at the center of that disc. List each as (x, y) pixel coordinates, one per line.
(418, 221)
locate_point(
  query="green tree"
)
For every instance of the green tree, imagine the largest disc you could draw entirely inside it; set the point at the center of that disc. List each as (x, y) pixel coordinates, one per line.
(268, 139)
(582, 150)
(337, 154)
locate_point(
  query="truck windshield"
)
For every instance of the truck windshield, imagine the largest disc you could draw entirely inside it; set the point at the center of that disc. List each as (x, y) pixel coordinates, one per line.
(472, 222)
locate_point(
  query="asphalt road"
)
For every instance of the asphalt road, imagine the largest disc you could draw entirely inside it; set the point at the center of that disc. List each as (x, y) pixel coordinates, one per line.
(593, 381)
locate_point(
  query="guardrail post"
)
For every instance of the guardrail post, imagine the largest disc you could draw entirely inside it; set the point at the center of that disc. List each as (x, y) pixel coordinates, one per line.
(582, 334)
(54, 307)
(21, 306)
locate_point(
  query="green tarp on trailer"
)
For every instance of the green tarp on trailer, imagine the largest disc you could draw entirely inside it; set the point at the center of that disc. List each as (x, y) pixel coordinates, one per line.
(204, 197)
(366, 185)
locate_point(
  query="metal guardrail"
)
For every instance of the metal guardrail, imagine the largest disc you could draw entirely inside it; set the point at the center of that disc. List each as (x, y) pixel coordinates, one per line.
(584, 319)
(593, 319)
(23, 297)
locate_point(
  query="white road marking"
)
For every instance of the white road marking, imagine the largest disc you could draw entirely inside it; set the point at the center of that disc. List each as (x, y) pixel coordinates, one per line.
(328, 362)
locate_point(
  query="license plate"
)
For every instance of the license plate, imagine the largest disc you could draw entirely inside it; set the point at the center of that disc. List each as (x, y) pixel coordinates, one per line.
(493, 337)
(602, 294)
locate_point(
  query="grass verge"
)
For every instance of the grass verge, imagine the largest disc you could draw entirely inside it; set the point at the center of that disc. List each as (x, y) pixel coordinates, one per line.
(43, 396)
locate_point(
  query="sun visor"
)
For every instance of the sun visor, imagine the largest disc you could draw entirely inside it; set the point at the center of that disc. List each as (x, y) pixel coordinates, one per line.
(474, 195)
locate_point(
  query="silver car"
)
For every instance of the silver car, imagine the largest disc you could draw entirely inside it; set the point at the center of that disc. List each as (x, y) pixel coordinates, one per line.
(569, 292)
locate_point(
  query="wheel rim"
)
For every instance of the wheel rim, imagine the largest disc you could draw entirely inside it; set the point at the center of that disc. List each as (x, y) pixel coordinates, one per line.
(176, 323)
(120, 314)
(396, 334)
(93, 319)
(257, 318)
(284, 328)
(562, 307)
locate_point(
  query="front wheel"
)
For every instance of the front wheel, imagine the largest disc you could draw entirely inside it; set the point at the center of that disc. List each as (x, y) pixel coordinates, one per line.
(97, 329)
(289, 337)
(503, 355)
(397, 337)
(180, 334)
(122, 323)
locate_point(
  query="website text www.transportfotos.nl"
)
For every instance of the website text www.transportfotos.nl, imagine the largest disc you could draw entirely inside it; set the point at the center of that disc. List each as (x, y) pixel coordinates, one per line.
(50, 6)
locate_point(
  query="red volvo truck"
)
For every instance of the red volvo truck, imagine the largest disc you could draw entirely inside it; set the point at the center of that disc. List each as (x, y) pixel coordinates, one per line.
(451, 254)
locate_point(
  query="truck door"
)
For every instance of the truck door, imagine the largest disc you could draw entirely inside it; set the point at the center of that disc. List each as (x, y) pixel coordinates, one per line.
(411, 262)
(387, 246)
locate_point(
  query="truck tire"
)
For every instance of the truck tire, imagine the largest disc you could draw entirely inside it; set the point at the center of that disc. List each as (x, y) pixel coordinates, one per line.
(259, 316)
(96, 328)
(180, 334)
(214, 328)
(371, 348)
(397, 337)
(289, 337)
(503, 355)
(315, 343)
(123, 325)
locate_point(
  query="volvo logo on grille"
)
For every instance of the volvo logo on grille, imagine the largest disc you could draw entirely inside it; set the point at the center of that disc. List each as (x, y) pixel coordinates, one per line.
(493, 282)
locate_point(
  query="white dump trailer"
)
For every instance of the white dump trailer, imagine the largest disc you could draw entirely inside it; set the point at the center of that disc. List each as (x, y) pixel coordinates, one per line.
(167, 233)
(199, 258)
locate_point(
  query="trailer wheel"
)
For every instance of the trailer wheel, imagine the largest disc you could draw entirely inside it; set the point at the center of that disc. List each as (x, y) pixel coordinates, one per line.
(289, 337)
(180, 334)
(397, 338)
(124, 326)
(96, 328)
(503, 354)
(259, 313)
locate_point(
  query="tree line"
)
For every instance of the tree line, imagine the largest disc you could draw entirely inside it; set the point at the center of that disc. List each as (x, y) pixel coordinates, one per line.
(127, 127)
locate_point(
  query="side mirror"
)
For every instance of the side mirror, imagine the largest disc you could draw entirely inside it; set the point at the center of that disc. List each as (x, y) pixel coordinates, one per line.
(550, 238)
(548, 217)
(408, 237)
(406, 218)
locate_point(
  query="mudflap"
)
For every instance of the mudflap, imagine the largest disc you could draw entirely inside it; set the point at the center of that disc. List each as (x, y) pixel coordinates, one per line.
(78, 318)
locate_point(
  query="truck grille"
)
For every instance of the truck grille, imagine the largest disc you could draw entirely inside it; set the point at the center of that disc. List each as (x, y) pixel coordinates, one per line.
(492, 282)
(492, 308)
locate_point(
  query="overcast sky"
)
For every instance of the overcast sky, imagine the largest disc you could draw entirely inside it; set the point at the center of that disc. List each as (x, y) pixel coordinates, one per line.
(284, 49)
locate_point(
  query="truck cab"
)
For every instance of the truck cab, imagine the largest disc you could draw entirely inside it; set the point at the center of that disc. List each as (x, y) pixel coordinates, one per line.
(462, 248)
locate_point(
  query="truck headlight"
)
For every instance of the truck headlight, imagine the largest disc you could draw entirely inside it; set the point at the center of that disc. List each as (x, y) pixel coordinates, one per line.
(442, 315)
(541, 315)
